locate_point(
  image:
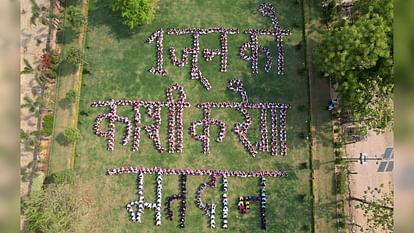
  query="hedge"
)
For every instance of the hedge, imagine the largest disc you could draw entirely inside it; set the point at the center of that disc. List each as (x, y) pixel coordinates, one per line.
(342, 182)
(47, 125)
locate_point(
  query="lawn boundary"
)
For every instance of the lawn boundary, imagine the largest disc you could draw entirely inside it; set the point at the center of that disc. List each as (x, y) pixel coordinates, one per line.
(82, 42)
(305, 15)
(318, 150)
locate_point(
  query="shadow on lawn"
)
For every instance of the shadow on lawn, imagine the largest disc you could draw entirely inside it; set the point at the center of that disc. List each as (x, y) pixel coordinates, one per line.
(101, 14)
(60, 139)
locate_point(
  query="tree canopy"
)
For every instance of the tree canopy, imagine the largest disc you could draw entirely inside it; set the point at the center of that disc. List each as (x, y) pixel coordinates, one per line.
(378, 208)
(71, 135)
(74, 55)
(358, 53)
(135, 12)
(75, 18)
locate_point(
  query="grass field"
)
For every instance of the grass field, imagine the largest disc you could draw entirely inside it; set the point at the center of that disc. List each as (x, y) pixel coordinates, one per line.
(119, 60)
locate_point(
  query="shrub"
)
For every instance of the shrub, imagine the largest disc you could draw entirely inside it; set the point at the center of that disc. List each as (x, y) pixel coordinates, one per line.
(338, 145)
(74, 55)
(342, 182)
(342, 224)
(71, 135)
(23, 135)
(62, 177)
(339, 154)
(70, 96)
(341, 161)
(47, 125)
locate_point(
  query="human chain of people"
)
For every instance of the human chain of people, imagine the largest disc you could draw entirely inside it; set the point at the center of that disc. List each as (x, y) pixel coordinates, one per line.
(136, 208)
(278, 112)
(265, 9)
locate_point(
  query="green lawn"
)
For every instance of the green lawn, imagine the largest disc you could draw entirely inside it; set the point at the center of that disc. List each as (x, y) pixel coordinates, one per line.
(119, 60)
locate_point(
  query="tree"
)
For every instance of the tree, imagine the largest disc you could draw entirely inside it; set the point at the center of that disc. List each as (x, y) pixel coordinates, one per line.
(75, 18)
(358, 53)
(71, 135)
(29, 140)
(32, 105)
(39, 13)
(45, 71)
(52, 210)
(378, 208)
(135, 12)
(70, 97)
(74, 55)
(385, 8)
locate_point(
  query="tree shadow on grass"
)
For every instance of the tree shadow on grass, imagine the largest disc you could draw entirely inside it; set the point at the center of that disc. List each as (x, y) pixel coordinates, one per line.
(66, 69)
(60, 139)
(326, 210)
(101, 13)
(65, 103)
(286, 167)
(67, 35)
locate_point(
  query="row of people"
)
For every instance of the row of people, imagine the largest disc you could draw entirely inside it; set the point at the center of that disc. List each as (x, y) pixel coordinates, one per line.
(237, 86)
(183, 207)
(244, 105)
(275, 134)
(263, 143)
(199, 203)
(209, 209)
(241, 130)
(266, 10)
(194, 172)
(136, 216)
(205, 124)
(158, 199)
(110, 133)
(209, 54)
(183, 201)
(175, 118)
(201, 31)
(263, 202)
(153, 130)
(212, 215)
(158, 36)
(283, 144)
(225, 211)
